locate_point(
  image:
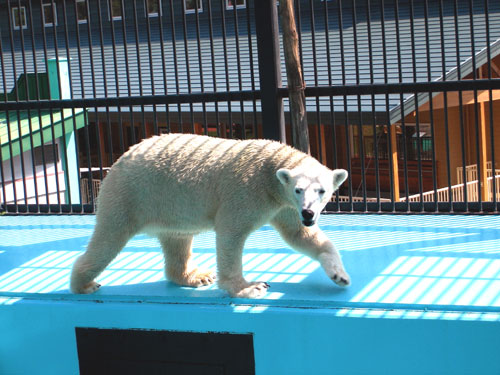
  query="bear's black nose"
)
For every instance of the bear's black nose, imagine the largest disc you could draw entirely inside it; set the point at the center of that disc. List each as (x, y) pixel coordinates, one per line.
(307, 214)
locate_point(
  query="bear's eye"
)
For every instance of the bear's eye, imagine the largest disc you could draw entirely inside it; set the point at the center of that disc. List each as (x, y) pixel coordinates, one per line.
(321, 191)
(298, 191)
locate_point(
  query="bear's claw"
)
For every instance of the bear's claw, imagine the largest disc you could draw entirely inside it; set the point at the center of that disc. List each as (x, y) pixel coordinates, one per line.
(341, 280)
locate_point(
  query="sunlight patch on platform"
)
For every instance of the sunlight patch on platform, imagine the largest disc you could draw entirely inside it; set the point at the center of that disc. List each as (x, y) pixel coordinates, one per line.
(50, 271)
(351, 240)
(421, 221)
(476, 247)
(418, 314)
(23, 237)
(436, 281)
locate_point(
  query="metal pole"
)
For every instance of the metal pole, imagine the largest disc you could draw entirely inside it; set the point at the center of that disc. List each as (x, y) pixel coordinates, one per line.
(266, 25)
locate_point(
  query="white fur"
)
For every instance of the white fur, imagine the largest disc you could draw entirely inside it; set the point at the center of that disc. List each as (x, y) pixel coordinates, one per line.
(175, 186)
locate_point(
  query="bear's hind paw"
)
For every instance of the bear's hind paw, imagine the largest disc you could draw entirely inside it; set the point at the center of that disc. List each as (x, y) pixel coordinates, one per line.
(254, 290)
(196, 278)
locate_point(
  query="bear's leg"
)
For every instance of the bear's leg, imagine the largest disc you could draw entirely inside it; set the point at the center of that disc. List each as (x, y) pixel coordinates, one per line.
(103, 247)
(230, 267)
(178, 267)
(312, 242)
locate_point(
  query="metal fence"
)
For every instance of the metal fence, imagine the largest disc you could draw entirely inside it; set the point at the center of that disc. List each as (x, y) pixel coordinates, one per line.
(405, 95)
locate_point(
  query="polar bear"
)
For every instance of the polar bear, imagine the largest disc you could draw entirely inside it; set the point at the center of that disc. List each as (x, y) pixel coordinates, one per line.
(175, 186)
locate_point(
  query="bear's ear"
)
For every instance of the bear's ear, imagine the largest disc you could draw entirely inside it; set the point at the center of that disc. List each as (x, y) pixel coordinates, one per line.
(339, 176)
(284, 175)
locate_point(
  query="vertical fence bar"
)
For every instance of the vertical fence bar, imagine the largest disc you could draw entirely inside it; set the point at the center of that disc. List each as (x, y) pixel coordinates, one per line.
(393, 179)
(176, 68)
(431, 106)
(346, 109)
(238, 64)
(202, 79)
(445, 105)
(64, 162)
(73, 115)
(3, 202)
(417, 112)
(374, 122)
(460, 106)
(30, 124)
(214, 70)
(226, 70)
(330, 83)
(105, 81)
(360, 115)
(490, 97)
(16, 92)
(82, 88)
(315, 72)
(37, 97)
(186, 57)
(163, 61)
(402, 101)
(9, 139)
(139, 69)
(51, 114)
(252, 72)
(266, 27)
(150, 51)
(479, 144)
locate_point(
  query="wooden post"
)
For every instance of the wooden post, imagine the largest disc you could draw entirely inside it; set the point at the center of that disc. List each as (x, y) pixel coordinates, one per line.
(395, 167)
(483, 150)
(296, 86)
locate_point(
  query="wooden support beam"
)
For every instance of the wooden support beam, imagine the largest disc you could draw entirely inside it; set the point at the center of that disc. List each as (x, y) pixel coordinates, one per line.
(495, 68)
(322, 141)
(296, 85)
(395, 167)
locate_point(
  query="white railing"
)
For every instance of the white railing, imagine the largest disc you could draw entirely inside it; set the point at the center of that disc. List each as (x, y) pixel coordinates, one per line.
(471, 172)
(457, 192)
(86, 194)
(345, 198)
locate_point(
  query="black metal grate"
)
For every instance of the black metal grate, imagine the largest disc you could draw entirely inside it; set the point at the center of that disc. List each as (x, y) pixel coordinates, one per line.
(405, 95)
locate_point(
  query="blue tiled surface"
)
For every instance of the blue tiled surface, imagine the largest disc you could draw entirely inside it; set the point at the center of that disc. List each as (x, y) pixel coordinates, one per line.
(395, 261)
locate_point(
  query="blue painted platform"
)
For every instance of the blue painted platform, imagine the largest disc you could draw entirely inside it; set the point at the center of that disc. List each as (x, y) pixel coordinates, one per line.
(424, 299)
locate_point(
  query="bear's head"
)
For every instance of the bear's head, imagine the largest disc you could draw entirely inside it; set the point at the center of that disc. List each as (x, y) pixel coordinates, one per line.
(310, 191)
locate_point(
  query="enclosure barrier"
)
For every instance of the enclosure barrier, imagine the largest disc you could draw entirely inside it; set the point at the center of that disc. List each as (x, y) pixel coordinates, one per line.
(403, 95)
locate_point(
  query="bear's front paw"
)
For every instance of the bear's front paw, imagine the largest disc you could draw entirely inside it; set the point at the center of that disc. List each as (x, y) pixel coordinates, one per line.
(340, 277)
(88, 288)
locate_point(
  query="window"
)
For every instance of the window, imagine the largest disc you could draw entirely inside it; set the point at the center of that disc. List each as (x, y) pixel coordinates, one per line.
(19, 18)
(81, 11)
(46, 155)
(49, 14)
(239, 4)
(153, 8)
(190, 6)
(116, 9)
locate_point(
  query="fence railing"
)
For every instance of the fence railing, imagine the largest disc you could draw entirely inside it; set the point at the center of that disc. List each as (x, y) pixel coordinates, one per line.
(401, 94)
(89, 192)
(456, 193)
(471, 172)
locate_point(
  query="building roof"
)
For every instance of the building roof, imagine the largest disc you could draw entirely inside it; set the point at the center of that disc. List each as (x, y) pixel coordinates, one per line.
(466, 68)
(26, 130)
(419, 56)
